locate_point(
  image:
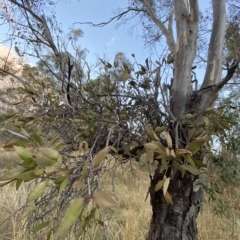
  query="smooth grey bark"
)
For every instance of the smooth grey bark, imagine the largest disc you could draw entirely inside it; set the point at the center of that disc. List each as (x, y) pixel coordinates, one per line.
(215, 48)
(187, 21)
(178, 221)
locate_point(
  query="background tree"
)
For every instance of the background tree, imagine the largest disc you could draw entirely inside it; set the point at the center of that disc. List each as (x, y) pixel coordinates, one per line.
(129, 111)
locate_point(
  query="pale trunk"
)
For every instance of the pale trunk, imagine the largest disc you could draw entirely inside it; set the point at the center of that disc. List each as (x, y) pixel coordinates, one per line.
(178, 221)
(187, 29)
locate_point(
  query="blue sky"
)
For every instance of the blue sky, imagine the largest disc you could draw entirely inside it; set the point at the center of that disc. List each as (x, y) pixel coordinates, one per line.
(109, 39)
(101, 40)
(106, 40)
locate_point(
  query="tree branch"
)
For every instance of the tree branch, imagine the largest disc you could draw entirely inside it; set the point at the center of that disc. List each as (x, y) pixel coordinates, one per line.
(43, 21)
(214, 61)
(24, 83)
(117, 17)
(230, 71)
(208, 98)
(170, 40)
(170, 24)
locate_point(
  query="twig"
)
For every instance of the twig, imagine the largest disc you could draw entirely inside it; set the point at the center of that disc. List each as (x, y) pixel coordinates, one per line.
(117, 17)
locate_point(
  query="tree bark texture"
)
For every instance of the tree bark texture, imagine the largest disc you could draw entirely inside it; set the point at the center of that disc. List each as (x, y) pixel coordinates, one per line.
(177, 221)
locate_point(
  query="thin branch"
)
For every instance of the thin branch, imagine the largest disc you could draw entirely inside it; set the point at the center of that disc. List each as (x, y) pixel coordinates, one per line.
(170, 23)
(24, 83)
(117, 17)
(43, 21)
(230, 71)
(170, 41)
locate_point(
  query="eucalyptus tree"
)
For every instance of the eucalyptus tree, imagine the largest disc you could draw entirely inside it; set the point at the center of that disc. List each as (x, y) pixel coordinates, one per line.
(130, 111)
(180, 23)
(178, 221)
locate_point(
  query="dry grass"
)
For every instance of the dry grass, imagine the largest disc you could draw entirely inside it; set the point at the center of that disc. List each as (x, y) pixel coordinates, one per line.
(8, 159)
(130, 220)
(212, 227)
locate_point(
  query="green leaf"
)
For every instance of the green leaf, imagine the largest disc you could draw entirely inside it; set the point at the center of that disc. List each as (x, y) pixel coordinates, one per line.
(50, 153)
(85, 171)
(17, 51)
(84, 222)
(160, 129)
(140, 73)
(165, 185)
(10, 114)
(159, 185)
(59, 179)
(210, 111)
(225, 124)
(143, 69)
(40, 226)
(199, 163)
(191, 169)
(147, 64)
(63, 185)
(150, 133)
(28, 163)
(37, 191)
(25, 133)
(100, 156)
(163, 165)
(18, 184)
(43, 161)
(102, 199)
(70, 217)
(38, 171)
(189, 159)
(27, 176)
(157, 146)
(108, 65)
(12, 173)
(37, 137)
(181, 152)
(23, 153)
(151, 146)
(195, 145)
(170, 58)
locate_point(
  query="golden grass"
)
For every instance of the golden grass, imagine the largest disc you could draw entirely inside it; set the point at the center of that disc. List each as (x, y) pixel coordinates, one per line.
(8, 159)
(131, 219)
(212, 227)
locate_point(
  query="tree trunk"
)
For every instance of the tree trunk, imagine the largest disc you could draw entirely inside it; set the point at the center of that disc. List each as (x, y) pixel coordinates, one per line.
(177, 221)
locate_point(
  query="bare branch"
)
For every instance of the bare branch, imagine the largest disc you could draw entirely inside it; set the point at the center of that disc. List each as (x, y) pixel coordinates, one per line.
(24, 83)
(41, 20)
(230, 71)
(209, 98)
(170, 40)
(117, 17)
(170, 23)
